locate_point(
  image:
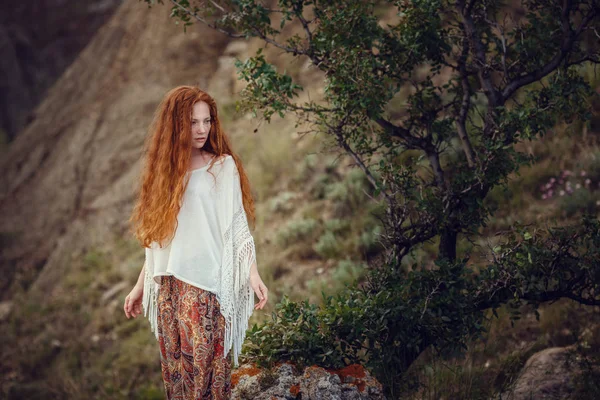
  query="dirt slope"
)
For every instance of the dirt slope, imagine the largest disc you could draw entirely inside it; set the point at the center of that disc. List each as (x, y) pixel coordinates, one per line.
(39, 39)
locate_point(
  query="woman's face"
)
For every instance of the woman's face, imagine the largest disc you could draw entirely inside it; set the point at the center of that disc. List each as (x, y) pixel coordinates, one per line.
(200, 124)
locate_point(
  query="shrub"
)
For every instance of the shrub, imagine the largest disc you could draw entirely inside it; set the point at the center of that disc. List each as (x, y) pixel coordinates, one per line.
(384, 327)
(337, 225)
(349, 194)
(369, 241)
(581, 200)
(296, 230)
(318, 189)
(328, 246)
(346, 272)
(282, 202)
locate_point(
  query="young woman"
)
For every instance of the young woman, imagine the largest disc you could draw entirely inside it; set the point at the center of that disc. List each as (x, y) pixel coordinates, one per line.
(200, 270)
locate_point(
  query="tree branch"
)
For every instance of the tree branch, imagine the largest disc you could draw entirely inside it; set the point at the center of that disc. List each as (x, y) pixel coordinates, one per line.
(400, 132)
(569, 39)
(482, 69)
(204, 21)
(464, 108)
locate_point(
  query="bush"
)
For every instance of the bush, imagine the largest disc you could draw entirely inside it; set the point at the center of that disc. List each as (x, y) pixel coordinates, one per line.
(328, 246)
(296, 230)
(318, 189)
(337, 226)
(384, 327)
(350, 194)
(581, 200)
(307, 168)
(346, 272)
(369, 241)
(282, 202)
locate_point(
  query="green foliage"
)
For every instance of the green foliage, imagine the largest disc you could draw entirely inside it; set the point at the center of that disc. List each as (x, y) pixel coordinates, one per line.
(581, 201)
(587, 382)
(350, 194)
(265, 83)
(293, 334)
(282, 202)
(369, 241)
(389, 322)
(328, 246)
(347, 272)
(296, 231)
(377, 328)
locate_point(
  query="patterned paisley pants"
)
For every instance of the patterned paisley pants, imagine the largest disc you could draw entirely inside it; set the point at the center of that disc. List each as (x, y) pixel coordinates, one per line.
(191, 331)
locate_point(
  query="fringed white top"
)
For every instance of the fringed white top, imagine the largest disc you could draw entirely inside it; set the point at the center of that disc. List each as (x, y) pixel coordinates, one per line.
(212, 249)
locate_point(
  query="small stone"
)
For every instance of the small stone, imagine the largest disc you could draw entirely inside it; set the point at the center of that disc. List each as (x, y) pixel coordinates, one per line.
(5, 309)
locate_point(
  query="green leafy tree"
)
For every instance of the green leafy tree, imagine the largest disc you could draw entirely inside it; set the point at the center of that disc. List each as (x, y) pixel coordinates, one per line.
(475, 79)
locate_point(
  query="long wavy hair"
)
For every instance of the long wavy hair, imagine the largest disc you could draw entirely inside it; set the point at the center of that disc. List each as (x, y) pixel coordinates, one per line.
(168, 150)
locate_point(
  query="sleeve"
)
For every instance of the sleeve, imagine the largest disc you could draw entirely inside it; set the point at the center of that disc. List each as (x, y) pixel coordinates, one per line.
(149, 298)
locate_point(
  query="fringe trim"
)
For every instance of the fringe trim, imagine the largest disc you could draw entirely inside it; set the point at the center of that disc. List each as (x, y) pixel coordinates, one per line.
(236, 297)
(149, 301)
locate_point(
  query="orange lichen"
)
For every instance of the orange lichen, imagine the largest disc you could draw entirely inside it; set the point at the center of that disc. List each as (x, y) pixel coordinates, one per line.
(247, 370)
(295, 390)
(355, 371)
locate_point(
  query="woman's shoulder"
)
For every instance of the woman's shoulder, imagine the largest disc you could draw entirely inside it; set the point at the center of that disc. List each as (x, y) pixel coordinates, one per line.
(224, 161)
(224, 157)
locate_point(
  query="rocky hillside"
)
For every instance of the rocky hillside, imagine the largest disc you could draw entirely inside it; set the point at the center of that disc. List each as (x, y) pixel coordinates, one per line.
(39, 39)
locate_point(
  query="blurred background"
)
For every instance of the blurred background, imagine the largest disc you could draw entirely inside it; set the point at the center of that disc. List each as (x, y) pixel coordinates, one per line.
(79, 84)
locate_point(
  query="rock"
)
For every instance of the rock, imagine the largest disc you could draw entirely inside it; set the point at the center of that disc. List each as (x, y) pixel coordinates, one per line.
(318, 384)
(38, 41)
(5, 309)
(546, 375)
(284, 382)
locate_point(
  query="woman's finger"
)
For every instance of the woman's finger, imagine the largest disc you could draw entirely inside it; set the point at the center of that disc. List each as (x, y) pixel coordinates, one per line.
(265, 292)
(126, 306)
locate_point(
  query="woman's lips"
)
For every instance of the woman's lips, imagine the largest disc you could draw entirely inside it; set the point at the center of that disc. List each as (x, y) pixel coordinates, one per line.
(199, 139)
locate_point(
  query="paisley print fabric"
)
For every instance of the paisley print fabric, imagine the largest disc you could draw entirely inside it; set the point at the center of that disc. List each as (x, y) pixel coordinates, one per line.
(191, 329)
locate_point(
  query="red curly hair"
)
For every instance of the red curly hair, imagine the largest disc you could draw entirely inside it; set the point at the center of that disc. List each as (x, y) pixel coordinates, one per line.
(168, 153)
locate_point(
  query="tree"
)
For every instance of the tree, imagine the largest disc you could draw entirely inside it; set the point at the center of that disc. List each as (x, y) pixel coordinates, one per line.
(479, 77)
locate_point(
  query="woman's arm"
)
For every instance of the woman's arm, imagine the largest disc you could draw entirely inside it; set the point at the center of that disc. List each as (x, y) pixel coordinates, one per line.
(133, 301)
(140, 281)
(258, 286)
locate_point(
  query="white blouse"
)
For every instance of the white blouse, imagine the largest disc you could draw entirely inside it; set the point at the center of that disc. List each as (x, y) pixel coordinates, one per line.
(212, 249)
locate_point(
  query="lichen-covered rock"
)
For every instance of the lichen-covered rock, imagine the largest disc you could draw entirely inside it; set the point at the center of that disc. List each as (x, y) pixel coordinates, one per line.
(285, 382)
(547, 375)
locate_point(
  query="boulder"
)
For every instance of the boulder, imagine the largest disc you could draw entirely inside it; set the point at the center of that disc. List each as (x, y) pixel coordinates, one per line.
(285, 382)
(548, 374)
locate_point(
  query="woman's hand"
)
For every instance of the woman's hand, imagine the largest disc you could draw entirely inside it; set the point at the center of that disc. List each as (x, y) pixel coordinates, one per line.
(259, 288)
(133, 301)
